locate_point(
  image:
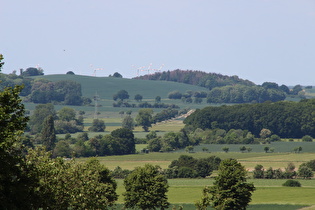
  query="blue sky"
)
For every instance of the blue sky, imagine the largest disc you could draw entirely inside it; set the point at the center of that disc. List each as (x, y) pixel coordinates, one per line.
(258, 40)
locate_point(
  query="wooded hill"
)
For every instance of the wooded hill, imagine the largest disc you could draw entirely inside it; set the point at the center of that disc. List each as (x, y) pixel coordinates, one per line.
(227, 89)
(203, 79)
(286, 119)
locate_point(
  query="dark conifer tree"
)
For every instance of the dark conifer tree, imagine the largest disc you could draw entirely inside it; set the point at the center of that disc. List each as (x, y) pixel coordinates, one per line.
(48, 133)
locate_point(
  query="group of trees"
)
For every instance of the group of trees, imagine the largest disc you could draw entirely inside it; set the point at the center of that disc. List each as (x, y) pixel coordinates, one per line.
(289, 172)
(224, 89)
(65, 120)
(203, 79)
(189, 167)
(119, 142)
(65, 92)
(285, 119)
(169, 142)
(244, 94)
(122, 96)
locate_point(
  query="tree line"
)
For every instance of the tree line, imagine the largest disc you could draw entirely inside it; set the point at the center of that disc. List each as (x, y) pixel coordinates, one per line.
(285, 119)
(224, 89)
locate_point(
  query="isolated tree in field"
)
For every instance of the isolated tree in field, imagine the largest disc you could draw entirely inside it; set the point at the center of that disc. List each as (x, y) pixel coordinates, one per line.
(146, 188)
(266, 149)
(138, 97)
(144, 118)
(158, 99)
(97, 126)
(122, 95)
(128, 122)
(226, 149)
(230, 189)
(118, 75)
(48, 133)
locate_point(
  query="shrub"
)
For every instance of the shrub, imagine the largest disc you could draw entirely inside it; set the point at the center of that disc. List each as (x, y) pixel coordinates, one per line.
(291, 183)
(307, 138)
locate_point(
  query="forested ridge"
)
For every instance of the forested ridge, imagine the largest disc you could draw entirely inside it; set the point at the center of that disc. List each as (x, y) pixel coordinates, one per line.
(286, 119)
(200, 78)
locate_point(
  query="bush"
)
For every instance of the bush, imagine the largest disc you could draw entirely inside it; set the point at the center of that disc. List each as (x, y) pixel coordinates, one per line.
(307, 138)
(291, 183)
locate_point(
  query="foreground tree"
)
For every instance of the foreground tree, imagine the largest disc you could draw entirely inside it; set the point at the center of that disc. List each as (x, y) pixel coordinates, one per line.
(71, 185)
(230, 189)
(146, 188)
(16, 185)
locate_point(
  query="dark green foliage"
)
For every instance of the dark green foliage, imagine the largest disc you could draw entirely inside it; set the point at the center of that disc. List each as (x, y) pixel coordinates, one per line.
(65, 91)
(117, 75)
(128, 122)
(165, 115)
(138, 97)
(31, 71)
(230, 189)
(258, 172)
(48, 133)
(70, 72)
(121, 95)
(97, 126)
(146, 188)
(17, 186)
(174, 95)
(310, 164)
(71, 185)
(171, 141)
(119, 173)
(189, 167)
(62, 149)
(305, 172)
(125, 138)
(220, 136)
(288, 173)
(307, 138)
(203, 79)
(40, 113)
(291, 183)
(244, 94)
(285, 119)
(144, 118)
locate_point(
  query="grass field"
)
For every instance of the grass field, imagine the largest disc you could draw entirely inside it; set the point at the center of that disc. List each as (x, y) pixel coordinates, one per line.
(187, 191)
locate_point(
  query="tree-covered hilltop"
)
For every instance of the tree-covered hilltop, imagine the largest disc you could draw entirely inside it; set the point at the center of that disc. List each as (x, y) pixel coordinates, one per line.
(203, 79)
(286, 119)
(225, 89)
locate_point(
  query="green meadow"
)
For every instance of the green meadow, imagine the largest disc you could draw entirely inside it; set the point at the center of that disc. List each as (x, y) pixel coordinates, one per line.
(269, 194)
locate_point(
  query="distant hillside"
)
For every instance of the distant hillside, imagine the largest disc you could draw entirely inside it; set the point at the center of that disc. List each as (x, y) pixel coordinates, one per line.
(203, 79)
(106, 87)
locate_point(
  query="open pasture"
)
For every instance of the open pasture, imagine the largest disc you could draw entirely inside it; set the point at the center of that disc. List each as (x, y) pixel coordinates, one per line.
(249, 160)
(185, 191)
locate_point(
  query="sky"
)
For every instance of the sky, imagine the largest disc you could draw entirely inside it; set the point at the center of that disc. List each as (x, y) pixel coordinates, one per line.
(257, 40)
